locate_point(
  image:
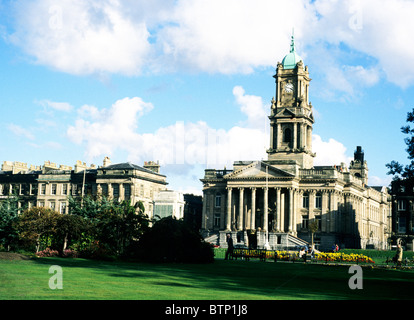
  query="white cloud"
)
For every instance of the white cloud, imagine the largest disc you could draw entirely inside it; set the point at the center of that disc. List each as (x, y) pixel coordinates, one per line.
(82, 37)
(233, 36)
(47, 145)
(60, 106)
(103, 131)
(329, 152)
(20, 131)
(377, 181)
(215, 36)
(360, 76)
(106, 130)
(381, 31)
(252, 107)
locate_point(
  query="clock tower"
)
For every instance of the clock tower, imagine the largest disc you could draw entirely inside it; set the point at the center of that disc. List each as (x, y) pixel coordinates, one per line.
(291, 117)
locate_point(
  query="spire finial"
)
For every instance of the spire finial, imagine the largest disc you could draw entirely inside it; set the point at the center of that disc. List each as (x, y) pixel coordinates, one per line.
(292, 44)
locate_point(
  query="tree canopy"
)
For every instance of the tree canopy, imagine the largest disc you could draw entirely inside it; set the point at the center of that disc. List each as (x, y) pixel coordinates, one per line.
(172, 240)
(396, 169)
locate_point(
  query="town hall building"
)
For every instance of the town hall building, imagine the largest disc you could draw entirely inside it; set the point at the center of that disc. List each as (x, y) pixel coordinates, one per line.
(272, 203)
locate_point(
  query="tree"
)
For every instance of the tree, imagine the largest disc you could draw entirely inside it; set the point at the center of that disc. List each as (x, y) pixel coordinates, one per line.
(37, 226)
(395, 168)
(89, 207)
(313, 228)
(114, 226)
(9, 211)
(120, 225)
(172, 240)
(69, 228)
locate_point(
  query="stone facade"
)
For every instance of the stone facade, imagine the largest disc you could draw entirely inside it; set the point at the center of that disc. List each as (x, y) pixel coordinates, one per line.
(402, 229)
(50, 185)
(271, 202)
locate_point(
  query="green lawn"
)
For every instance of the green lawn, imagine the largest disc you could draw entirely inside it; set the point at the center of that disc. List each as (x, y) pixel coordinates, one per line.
(221, 280)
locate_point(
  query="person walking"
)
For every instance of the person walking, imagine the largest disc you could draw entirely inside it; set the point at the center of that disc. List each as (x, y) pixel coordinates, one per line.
(230, 247)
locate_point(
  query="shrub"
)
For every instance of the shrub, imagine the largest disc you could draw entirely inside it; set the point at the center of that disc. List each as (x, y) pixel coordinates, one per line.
(47, 253)
(97, 251)
(172, 240)
(69, 253)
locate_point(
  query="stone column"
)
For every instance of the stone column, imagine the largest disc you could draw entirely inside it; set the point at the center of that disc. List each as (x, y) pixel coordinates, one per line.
(295, 135)
(294, 223)
(253, 218)
(228, 221)
(241, 208)
(110, 191)
(278, 207)
(312, 194)
(302, 135)
(121, 191)
(272, 135)
(265, 209)
(324, 213)
(223, 209)
(282, 212)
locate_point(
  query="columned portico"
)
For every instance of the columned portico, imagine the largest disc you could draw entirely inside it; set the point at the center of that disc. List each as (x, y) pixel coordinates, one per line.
(272, 209)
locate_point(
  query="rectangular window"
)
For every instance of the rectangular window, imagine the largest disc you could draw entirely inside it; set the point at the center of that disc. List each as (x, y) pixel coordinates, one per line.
(318, 220)
(305, 201)
(318, 201)
(53, 206)
(127, 191)
(402, 224)
(401, 205)
(65, 188)
(217, 221)
(3, 189)
(74, 189)
(62, 208)
(305, 221)
(218, 201)
(104, 188)
(43, 189)
(115, 189)
(54, 188)
(23, 189)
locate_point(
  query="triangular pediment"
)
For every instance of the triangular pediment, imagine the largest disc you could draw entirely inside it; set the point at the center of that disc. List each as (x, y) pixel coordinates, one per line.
(258, 170)
(285, 113)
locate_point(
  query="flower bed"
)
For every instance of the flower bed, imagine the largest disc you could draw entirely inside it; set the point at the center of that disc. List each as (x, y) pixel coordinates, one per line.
(47, 253)
(343, 257)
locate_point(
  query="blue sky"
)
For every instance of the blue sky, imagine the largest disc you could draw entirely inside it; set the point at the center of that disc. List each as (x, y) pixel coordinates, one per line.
(189, 83)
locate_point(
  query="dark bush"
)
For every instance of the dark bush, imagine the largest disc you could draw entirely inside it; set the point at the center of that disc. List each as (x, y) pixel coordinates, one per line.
(172, 240)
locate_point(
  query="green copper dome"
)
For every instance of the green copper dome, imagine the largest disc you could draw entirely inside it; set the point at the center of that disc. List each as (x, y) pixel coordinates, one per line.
(292, 58)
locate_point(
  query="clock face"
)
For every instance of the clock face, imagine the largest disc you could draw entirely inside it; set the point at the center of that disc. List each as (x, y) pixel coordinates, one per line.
(289, 87)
